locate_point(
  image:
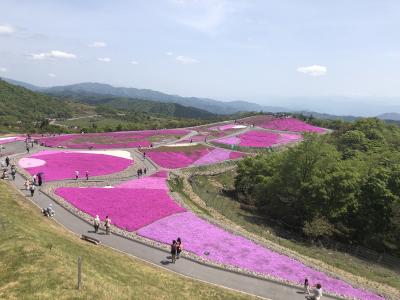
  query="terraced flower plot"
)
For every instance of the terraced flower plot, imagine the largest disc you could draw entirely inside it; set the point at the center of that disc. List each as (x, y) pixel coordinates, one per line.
(282, 124)
(128, 210)
(259, 139)
(60, 165)
(181, 156)
(217, 131)
(216, 244)
(112, 140)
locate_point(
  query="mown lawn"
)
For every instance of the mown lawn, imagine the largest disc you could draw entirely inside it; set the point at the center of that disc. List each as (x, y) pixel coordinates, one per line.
(209, 188)
(38, 260)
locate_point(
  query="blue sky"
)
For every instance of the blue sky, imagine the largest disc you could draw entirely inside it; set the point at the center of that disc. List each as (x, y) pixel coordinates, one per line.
(295, 53)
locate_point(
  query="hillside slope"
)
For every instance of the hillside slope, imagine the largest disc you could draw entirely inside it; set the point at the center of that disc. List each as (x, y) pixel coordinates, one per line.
(39, 262)
(20, 105)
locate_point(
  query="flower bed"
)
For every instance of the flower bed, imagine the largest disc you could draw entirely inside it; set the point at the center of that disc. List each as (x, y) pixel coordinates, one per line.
(110, 140)
(216, 244)
(155, 182)
(181, 157)
(127, 209)
(291, 124)
(60, 165)
(259, 139)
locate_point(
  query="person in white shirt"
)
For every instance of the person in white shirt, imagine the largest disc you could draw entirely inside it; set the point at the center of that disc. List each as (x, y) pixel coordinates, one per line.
(317, 293)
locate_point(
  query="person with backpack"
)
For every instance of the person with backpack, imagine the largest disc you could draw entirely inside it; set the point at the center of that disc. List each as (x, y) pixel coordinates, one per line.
(173, 251)
(96, 223)
(7, 161)
(32, 189)
(179, 247)
(107, 224)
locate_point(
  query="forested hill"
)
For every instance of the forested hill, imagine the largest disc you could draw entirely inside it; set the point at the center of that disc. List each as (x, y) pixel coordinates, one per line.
(19, 105)
(138, 105)
(342, 186)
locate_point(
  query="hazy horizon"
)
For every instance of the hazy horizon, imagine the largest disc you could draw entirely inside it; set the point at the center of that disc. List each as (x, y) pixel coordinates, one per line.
(300, 55)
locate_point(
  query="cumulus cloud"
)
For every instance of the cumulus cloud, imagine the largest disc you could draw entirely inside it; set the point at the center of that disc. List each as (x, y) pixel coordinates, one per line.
(314, 70)
(3, 70)
(53, 54)
(104, 59)
(134, 62)
(51, 75)
(6, 29)
(98, 45)
(186, 60)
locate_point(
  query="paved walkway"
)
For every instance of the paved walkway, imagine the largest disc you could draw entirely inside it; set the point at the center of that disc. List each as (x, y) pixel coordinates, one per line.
(239, 282)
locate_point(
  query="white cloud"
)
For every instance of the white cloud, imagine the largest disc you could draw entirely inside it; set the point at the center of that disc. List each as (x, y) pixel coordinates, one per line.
(104, 59)
(186, 60)
(52, 75)
(98, 45)
(53, 54)
(314, 70)
(169, 53)
(3, 70)
(6, 29)
(134, 62)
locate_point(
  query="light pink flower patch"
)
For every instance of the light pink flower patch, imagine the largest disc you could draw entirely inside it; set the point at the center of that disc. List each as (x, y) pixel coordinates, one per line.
(216, 244)
(60, 165)
(127, 209)
(291, 124)
(30, 162)
(217, 155)
(259, 139)
(153, 183)
(110, 140)
(232, 140)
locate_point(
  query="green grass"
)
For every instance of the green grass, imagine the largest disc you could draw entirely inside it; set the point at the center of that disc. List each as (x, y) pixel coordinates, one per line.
(209, 188)
(38, 261)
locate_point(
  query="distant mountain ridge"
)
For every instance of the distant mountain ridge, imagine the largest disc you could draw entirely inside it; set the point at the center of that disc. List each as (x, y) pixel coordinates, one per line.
(210, 105)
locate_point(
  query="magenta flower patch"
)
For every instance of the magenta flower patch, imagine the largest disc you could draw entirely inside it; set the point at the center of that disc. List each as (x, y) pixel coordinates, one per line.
(216, 244)
(62, 165)
(112, 140)
(291, 124)
(184, 156)
(259, 139)
(127, 209)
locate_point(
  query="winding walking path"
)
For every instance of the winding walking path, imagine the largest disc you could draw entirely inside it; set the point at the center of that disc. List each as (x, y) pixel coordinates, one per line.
(243, 283)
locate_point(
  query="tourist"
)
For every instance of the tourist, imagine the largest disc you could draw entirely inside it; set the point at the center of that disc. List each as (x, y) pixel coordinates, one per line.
(32, 143)
(317, 293)
(27, 148)
(96, 223)
(76, 175)
(191, 140)
(27, 184)
(32, 189)
(107, 224)
(145, 171)
(144, 155)
(4, 175)
(306, 287)
(179, 247)
(13, 172)
(39, 179)
(87, 175)
(7, 161)
(34, 179)
(138, 173)
(173, 251)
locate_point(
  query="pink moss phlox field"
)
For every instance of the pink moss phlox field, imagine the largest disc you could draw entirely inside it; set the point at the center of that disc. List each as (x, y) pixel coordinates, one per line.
(111, 140)
(201, 237)
(127, 209)
(62, 165)
(291, 124)
(217, 155)
(232, 140)
(285, 138)
(177, 159)
(150, 182)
